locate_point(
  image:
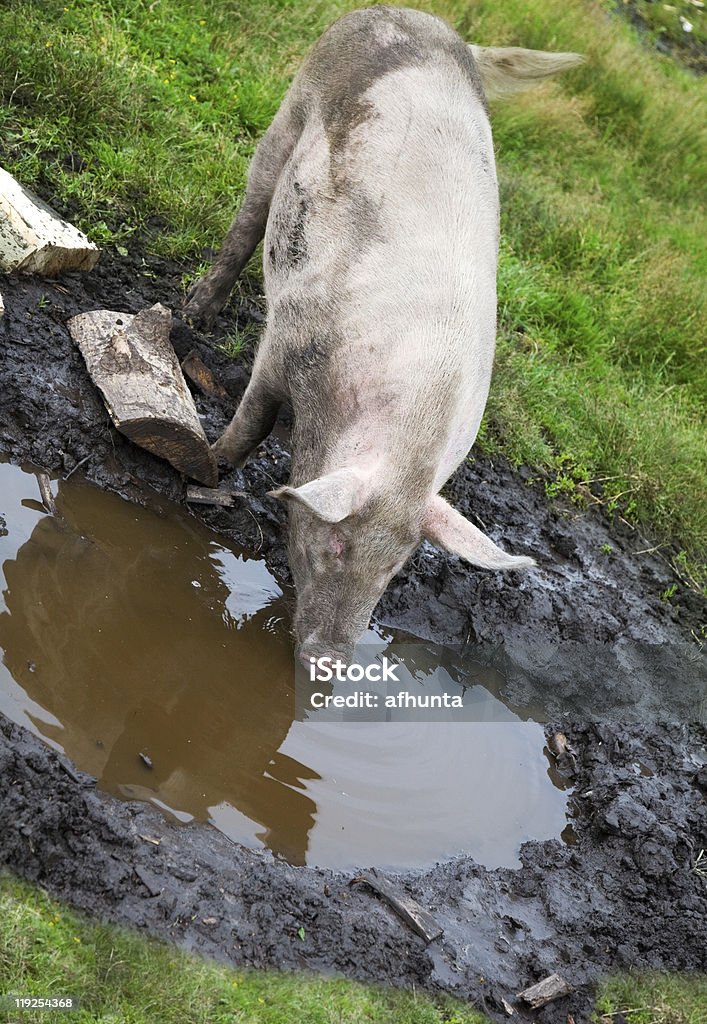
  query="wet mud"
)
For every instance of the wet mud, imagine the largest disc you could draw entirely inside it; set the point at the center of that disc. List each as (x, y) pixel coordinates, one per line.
(624, 892)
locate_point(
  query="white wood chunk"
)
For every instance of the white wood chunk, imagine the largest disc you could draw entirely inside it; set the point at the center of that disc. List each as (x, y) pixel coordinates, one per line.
(34, 239)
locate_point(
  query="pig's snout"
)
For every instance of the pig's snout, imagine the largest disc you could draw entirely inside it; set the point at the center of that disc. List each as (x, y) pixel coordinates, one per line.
(312, 654)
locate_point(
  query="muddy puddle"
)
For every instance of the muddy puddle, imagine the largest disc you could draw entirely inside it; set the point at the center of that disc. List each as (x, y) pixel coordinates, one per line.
(159, 660)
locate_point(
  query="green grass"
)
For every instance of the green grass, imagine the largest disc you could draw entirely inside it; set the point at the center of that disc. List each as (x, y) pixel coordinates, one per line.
(657, 999)
(601, 371)
(122, 978)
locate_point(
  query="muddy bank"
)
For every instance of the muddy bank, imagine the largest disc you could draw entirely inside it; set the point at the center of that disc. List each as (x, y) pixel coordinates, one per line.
(623, 894)
(596, 583)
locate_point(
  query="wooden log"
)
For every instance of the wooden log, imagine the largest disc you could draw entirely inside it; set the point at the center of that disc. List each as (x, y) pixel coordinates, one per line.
(552, 987)
(34, 239)
(411, 912)
(133, 364)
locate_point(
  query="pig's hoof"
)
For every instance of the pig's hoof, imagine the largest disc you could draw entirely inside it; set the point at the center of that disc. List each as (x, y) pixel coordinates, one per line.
(200, 307)
(194, 314)
(223, 452)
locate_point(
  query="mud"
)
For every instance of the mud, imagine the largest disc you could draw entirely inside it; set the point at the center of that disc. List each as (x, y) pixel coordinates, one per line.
(623, 894)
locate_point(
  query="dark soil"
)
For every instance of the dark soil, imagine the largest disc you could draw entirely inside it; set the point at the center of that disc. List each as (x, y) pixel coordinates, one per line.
(623, 894)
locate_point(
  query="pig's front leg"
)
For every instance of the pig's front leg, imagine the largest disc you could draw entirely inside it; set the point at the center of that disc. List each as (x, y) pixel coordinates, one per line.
(254, 419)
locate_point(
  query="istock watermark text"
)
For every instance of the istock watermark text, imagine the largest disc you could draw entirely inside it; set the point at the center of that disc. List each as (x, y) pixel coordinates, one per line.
(326, 669)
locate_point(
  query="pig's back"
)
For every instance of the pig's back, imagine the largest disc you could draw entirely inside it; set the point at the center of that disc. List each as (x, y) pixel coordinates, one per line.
(383, 230)
(366, 46)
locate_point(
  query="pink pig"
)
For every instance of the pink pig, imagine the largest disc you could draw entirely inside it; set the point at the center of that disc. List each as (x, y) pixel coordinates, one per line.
(375, 190)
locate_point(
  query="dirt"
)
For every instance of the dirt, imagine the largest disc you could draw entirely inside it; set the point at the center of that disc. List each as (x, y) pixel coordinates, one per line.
(624, 893)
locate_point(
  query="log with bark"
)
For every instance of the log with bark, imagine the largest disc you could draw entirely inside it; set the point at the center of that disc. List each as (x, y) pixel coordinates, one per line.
(132, 362)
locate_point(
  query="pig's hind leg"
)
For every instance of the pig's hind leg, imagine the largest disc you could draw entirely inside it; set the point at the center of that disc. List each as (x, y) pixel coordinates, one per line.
(209, 295)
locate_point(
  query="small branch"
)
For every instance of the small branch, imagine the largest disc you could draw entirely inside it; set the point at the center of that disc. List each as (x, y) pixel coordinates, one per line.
(213, 496)
(45, 491)
(412, 913)
(77, 466)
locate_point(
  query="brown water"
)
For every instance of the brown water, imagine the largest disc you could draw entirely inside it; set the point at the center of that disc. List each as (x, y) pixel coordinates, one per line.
(158, 658)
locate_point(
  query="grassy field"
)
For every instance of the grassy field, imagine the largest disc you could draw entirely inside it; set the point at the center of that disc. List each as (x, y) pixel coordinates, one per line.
(142, 116)
(654, 1000)
(48, 951)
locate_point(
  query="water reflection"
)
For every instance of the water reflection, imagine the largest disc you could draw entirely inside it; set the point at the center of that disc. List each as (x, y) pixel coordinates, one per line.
(134, 632)
(160, 660)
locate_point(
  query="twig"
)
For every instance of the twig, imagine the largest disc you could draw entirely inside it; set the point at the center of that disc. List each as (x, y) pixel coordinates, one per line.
(77, 466)
(46, 493)
(17, 85)
(412, 913)
(605, 479)
(635, 1009)
(262, 538)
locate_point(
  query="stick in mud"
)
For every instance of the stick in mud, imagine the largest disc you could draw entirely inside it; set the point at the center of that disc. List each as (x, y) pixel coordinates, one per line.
(411, 912)
(45, 491)
(77, 466)
(198, 372)
(212, 496)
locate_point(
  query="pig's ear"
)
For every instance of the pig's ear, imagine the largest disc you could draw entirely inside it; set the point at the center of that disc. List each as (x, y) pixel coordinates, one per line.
(332, 497)
(447, 528)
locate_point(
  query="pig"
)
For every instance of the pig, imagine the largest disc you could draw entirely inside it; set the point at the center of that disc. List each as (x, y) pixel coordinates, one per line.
(375, 191)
